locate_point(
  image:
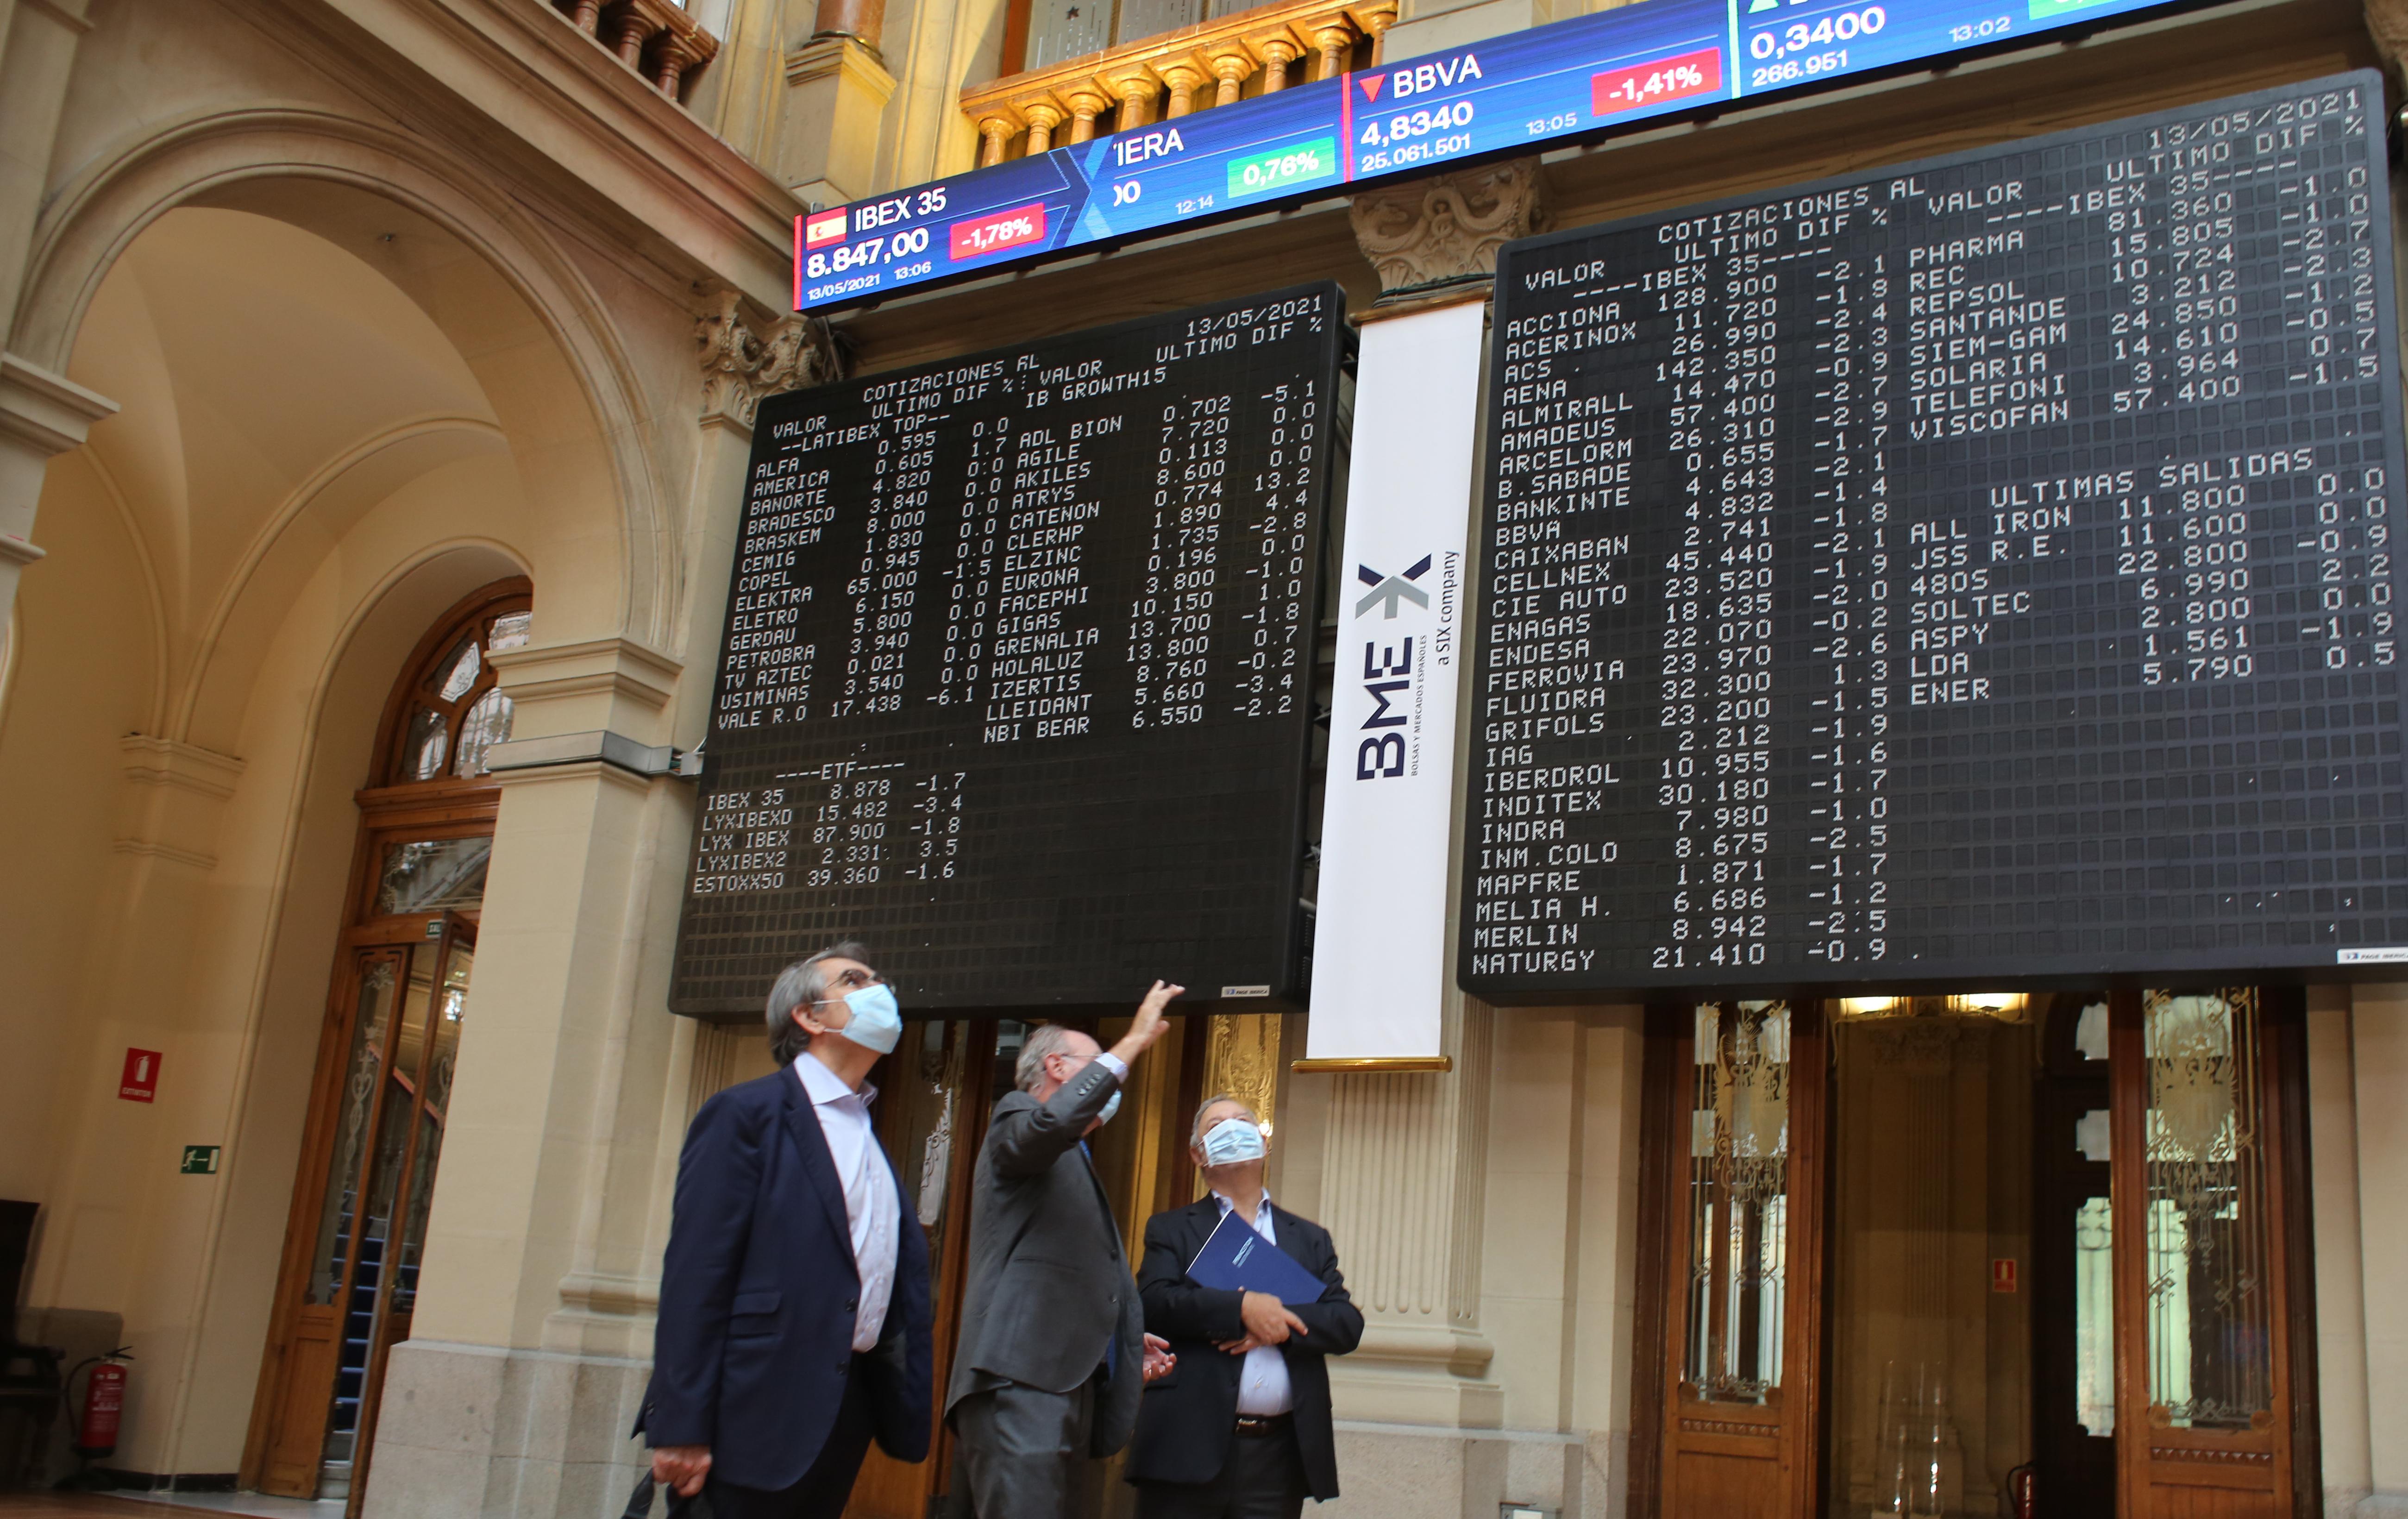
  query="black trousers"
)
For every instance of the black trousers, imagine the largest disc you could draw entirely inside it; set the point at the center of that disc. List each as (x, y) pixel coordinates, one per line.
(1262, 1478)
(823, 1491)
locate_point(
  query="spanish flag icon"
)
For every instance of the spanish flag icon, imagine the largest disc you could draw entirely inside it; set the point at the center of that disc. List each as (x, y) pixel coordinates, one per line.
(822, 228)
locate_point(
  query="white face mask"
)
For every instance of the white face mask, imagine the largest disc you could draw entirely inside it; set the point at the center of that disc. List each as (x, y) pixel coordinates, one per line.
(877, 1021)
(1232, 1140)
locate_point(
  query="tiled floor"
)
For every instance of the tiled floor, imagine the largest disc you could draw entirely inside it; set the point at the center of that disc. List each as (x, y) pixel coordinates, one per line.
(160, 1506)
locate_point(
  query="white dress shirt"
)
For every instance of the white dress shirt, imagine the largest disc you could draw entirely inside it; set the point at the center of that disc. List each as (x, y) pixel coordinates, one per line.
(1262, 1382)
(872, 1205)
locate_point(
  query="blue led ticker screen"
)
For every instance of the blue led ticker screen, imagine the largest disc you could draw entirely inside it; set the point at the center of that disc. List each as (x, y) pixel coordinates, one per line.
(1573, 78)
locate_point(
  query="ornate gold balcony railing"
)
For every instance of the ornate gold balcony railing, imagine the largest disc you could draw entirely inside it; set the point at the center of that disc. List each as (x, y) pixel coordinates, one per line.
(1217, 63)
(654, 38)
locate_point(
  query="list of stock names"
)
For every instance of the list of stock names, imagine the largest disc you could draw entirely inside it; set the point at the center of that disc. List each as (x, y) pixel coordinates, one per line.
(1016, 678)
(1978, 568)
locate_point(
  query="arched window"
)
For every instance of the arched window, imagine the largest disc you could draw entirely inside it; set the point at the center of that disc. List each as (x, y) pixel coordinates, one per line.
(451, 712)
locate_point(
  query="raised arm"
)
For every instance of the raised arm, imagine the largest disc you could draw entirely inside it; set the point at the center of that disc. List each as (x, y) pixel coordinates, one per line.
(1027, 1140)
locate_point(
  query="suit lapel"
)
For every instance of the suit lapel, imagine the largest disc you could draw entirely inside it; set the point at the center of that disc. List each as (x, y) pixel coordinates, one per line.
(1203, 1217)
(819, 1162)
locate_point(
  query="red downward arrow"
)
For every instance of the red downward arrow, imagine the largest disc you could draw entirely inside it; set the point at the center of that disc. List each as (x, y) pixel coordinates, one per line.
(1372, 84)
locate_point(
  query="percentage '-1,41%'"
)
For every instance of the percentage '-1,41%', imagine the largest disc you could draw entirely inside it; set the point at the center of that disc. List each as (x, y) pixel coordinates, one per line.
(1646, 84)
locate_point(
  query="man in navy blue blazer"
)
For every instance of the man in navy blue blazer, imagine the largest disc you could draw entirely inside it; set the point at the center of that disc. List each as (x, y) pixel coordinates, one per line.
(793, 1317)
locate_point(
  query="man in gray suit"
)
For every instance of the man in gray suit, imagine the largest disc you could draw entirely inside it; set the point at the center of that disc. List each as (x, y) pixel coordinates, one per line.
(1052, 1353)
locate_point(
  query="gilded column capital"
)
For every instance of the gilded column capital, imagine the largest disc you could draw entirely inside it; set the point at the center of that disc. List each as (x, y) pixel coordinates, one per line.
(742, 361)
(1448, 228)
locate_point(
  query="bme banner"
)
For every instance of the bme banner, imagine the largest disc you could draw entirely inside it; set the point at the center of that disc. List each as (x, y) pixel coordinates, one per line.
(1380, 938)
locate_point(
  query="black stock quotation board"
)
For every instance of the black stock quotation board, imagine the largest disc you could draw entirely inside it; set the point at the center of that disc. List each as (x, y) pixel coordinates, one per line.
(1975, 568)
(1017, 683)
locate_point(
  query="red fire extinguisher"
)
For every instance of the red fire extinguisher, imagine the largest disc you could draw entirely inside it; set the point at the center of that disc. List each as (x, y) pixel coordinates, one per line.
(102, 1410)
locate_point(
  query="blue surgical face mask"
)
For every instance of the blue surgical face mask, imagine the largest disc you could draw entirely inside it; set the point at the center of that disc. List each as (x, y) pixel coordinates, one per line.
(1110, 1107)
(1232, 1140)
(877, 1021)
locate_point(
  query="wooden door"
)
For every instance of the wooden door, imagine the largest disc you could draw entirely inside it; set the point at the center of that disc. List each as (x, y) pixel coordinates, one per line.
(359, 1225)
(934, 1097)
(2203, 1298)
(1742, 1206)
(358, 1040)
(348, 1280)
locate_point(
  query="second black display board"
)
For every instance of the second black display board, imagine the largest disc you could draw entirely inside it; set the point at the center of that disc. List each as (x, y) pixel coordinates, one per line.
(1016, 683)
(1977, 569)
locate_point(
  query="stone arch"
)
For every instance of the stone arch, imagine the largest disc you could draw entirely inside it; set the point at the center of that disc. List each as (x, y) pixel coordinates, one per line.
(287, 648)
(335, 174)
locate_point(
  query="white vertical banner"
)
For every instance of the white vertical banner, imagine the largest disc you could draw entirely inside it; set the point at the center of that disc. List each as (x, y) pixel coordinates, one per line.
(1380, 936)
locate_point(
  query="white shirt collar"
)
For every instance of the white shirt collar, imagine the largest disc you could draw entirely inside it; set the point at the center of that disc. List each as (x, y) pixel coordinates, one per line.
(1226, 1206)
(824, 1087)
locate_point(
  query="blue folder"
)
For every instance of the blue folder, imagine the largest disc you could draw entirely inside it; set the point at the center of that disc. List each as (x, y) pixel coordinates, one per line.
(1237, 1259)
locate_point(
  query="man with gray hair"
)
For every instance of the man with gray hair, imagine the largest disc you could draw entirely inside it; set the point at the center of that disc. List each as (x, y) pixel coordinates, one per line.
(1053, 1352)
(794, 1322)
(1243, 1432)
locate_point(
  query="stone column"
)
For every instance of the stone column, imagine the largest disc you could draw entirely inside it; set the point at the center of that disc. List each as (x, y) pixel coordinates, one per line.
(2338, 1251)
(1403, 1163)
(836, 89)
(531, 1345)
(2379, 1039)
(1398, 1163)
(41, 413)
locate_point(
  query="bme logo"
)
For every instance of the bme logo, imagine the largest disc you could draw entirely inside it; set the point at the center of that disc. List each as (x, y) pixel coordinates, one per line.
(1388, 671)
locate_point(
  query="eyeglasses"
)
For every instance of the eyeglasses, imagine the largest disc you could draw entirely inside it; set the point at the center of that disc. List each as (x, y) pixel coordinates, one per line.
(850, 980)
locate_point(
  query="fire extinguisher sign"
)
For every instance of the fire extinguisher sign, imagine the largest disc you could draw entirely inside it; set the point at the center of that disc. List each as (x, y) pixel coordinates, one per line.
(140, 1081)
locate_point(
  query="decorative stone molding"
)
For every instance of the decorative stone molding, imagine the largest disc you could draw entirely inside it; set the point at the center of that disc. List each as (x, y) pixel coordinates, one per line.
(581, 689)
(163, 762)
(615, 666)
(1447, 229)
(742, 363)
(170, 807)
(41, 415)
(2386, 22)
(47, 412)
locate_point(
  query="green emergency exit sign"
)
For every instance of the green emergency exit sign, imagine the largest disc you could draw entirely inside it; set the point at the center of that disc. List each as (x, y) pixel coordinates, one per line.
(200, 1160)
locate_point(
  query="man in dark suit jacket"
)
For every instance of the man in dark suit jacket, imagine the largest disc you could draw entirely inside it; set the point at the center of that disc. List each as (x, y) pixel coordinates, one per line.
(1240, 1429)
(1052, 1353)
(793, 1318)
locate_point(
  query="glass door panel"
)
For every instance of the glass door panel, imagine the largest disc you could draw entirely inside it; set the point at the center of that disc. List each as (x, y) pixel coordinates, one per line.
(2201, 1295)
(422, 993)
(1738, 1202)
(1740, 1382)
(372, 1027)
(2210, 1241)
